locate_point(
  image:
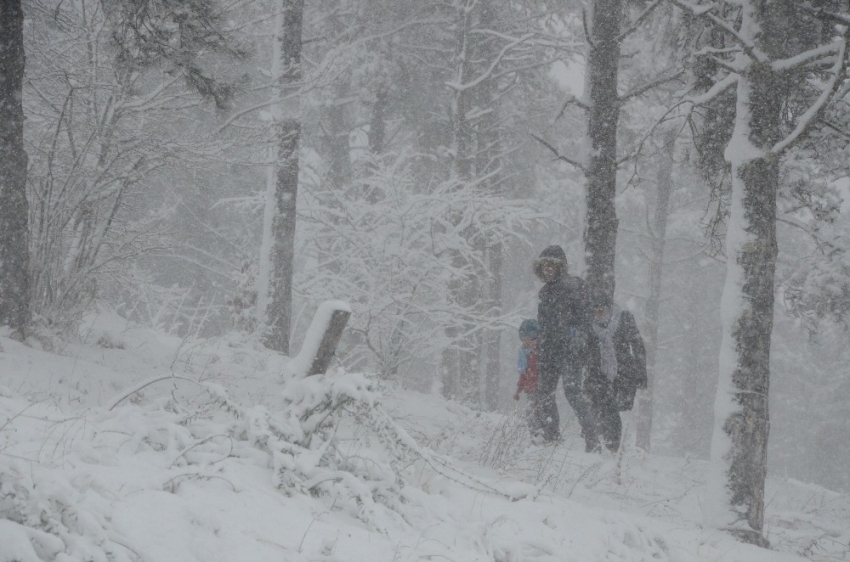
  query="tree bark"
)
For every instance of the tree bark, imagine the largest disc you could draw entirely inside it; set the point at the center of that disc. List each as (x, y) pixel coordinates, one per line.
(769, 72)
(330, 340)
(281, 251)
(664, 186)
(739, 440)
(14, 211)
(600, 235)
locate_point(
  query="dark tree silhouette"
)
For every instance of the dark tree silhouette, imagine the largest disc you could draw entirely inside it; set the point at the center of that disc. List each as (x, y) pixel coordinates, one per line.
(14, 254)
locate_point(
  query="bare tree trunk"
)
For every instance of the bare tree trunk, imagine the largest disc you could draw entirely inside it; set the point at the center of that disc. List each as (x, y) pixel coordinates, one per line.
(600, 235)
(281, 250)
(653, 303)
(14, 212)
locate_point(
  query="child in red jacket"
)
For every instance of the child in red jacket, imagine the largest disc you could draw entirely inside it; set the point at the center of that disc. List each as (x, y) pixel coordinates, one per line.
(527, 367)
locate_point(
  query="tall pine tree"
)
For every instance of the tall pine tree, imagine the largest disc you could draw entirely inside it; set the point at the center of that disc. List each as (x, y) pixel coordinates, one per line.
(777, 46)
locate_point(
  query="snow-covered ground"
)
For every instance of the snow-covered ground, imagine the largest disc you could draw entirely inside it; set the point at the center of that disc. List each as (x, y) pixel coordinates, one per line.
(135, 446)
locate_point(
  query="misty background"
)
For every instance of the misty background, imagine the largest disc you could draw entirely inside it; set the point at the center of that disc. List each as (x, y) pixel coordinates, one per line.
(432, 134)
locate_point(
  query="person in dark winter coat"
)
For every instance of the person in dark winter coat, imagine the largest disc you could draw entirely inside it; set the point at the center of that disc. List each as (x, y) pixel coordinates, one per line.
(564, 322)
(616, 366)
(528, 373)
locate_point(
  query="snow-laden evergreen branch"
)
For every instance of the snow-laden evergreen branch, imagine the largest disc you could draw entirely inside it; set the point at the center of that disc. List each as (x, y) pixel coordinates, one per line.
(810, 117)
(812, 55)
(706, 12)
(691, 102)
(716, 90)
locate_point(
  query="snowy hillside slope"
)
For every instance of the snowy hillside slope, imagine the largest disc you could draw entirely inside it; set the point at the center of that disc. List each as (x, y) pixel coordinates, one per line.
(227, 462)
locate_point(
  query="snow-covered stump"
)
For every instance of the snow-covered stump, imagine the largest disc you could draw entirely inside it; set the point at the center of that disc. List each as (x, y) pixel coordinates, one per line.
(321, 339)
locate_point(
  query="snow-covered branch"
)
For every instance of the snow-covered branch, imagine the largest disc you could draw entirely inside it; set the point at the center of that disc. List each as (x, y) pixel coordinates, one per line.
(812, 55)
(706, 12)
(713, 92)
(808, 119)
(458, 86)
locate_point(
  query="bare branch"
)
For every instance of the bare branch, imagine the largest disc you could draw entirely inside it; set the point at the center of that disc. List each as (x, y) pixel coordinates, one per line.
(819, 240)
(640, 90)
(587, 35)
(571, 100)
(825, 15)
(253, 108)
(520, 68)
(836, 128)
(693, 102)
(143, 384)
(635, 25)
(558, 155)
(146, 102)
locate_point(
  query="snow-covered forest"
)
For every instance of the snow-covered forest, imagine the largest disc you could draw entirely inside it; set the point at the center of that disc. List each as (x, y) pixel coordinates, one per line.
(184, 182)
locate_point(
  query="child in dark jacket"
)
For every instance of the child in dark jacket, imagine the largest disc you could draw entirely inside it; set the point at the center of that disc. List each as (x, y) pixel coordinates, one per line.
(527, 367)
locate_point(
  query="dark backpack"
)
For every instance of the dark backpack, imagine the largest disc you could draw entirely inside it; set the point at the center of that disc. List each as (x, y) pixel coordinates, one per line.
(631, 362)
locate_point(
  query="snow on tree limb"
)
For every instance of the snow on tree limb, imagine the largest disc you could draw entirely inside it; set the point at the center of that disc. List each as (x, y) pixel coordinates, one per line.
(810, 117)
(714, 91)
(705, 12)
(812, 55)
(458, 86)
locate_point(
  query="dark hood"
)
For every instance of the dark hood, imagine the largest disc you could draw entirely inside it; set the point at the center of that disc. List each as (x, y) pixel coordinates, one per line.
(554, 255)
